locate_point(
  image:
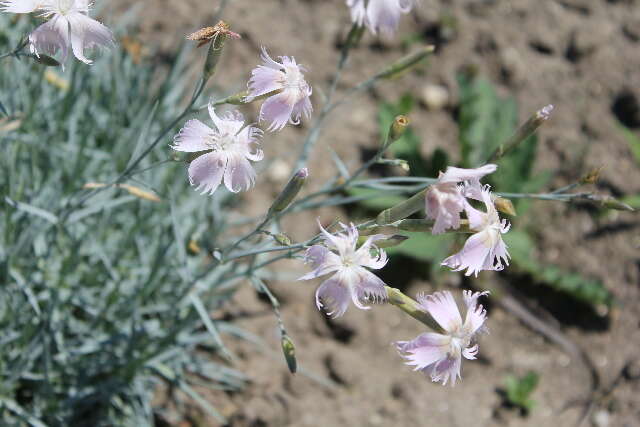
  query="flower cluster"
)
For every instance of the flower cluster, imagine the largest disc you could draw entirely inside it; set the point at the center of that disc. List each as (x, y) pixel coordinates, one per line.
(228, 148)
(379, 15)
(448, 198)
(437, 354)
(68, 29)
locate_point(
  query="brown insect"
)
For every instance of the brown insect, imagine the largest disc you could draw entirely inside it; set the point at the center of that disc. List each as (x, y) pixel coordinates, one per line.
(207, 34)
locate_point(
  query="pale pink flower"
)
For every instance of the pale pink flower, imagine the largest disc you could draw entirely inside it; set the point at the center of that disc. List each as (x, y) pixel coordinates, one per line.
(350, 280)
(69, 27)
(229, 147)
(445, 200)
(379, 15)
(290, 92)
(484, 250)
(439, 355)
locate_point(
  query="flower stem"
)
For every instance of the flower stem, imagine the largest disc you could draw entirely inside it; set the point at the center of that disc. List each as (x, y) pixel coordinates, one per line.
(411, 307)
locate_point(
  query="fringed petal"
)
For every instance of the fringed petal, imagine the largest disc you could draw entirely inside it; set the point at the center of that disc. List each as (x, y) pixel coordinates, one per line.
(193, 137)
(442, 307)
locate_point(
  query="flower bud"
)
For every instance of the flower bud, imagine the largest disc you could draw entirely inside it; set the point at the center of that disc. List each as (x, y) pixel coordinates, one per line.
(282, 239)
(505, 206)
(289, 351)
(398, 128)
(522, 133)
(290, 191)
(612, 203)
(218, 35)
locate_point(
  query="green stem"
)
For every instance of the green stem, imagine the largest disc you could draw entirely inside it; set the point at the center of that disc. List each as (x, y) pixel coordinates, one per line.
(314, 133)
(402, 210)
(411, 307)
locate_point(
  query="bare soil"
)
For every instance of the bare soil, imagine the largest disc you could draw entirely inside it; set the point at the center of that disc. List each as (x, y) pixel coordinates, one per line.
(581, 56)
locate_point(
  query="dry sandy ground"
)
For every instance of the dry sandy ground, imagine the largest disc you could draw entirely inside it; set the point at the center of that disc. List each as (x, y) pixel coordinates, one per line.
(581, 56)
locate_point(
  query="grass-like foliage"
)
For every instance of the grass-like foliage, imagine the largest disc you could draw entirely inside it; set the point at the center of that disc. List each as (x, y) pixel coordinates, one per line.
(99, 301)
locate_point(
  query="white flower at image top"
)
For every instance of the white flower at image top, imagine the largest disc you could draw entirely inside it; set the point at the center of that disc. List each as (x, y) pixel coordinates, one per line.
(379, 15)
(69, 27)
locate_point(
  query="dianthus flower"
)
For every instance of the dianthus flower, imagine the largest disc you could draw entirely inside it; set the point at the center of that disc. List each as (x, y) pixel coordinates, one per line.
(290, 91)
(68, 28)
(379, 15)
(229, 148)
(445, 200)
(485, 249)
(439, 355)
(350, 281)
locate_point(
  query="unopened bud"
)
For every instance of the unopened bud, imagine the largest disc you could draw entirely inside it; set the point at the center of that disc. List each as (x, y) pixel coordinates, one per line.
(218, 35)
(398, 128)
(406, 63)
(613, 203)
(282, 239)
(522, 133)
(290, 191)
(505, 206)
(289, 351)
(592, 176)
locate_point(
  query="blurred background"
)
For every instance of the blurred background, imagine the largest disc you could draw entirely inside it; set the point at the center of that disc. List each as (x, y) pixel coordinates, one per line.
(564, 318)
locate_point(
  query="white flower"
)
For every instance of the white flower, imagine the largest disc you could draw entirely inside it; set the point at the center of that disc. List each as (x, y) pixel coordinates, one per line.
(69, 27)
(439, 355)
(230, 148)
(350, 281)
(445, 200)
(290, 91)
(379, 15)
(484, 250)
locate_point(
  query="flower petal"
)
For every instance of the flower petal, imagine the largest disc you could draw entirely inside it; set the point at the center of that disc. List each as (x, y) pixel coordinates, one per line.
(453, 174)
(333, 296)
(206, 171)
(277, 110)
(367, 287)
(442, 307)
(193, 137)
(446, 370)
(424, 350)
(87, 33)
(19, 6)
(51, 37)
(475, 255)
(239, 174)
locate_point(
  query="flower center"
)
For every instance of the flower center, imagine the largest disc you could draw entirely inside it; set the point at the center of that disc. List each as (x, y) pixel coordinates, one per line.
(222, 142)
(348, 261)
(65, 6)
(293, 79)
